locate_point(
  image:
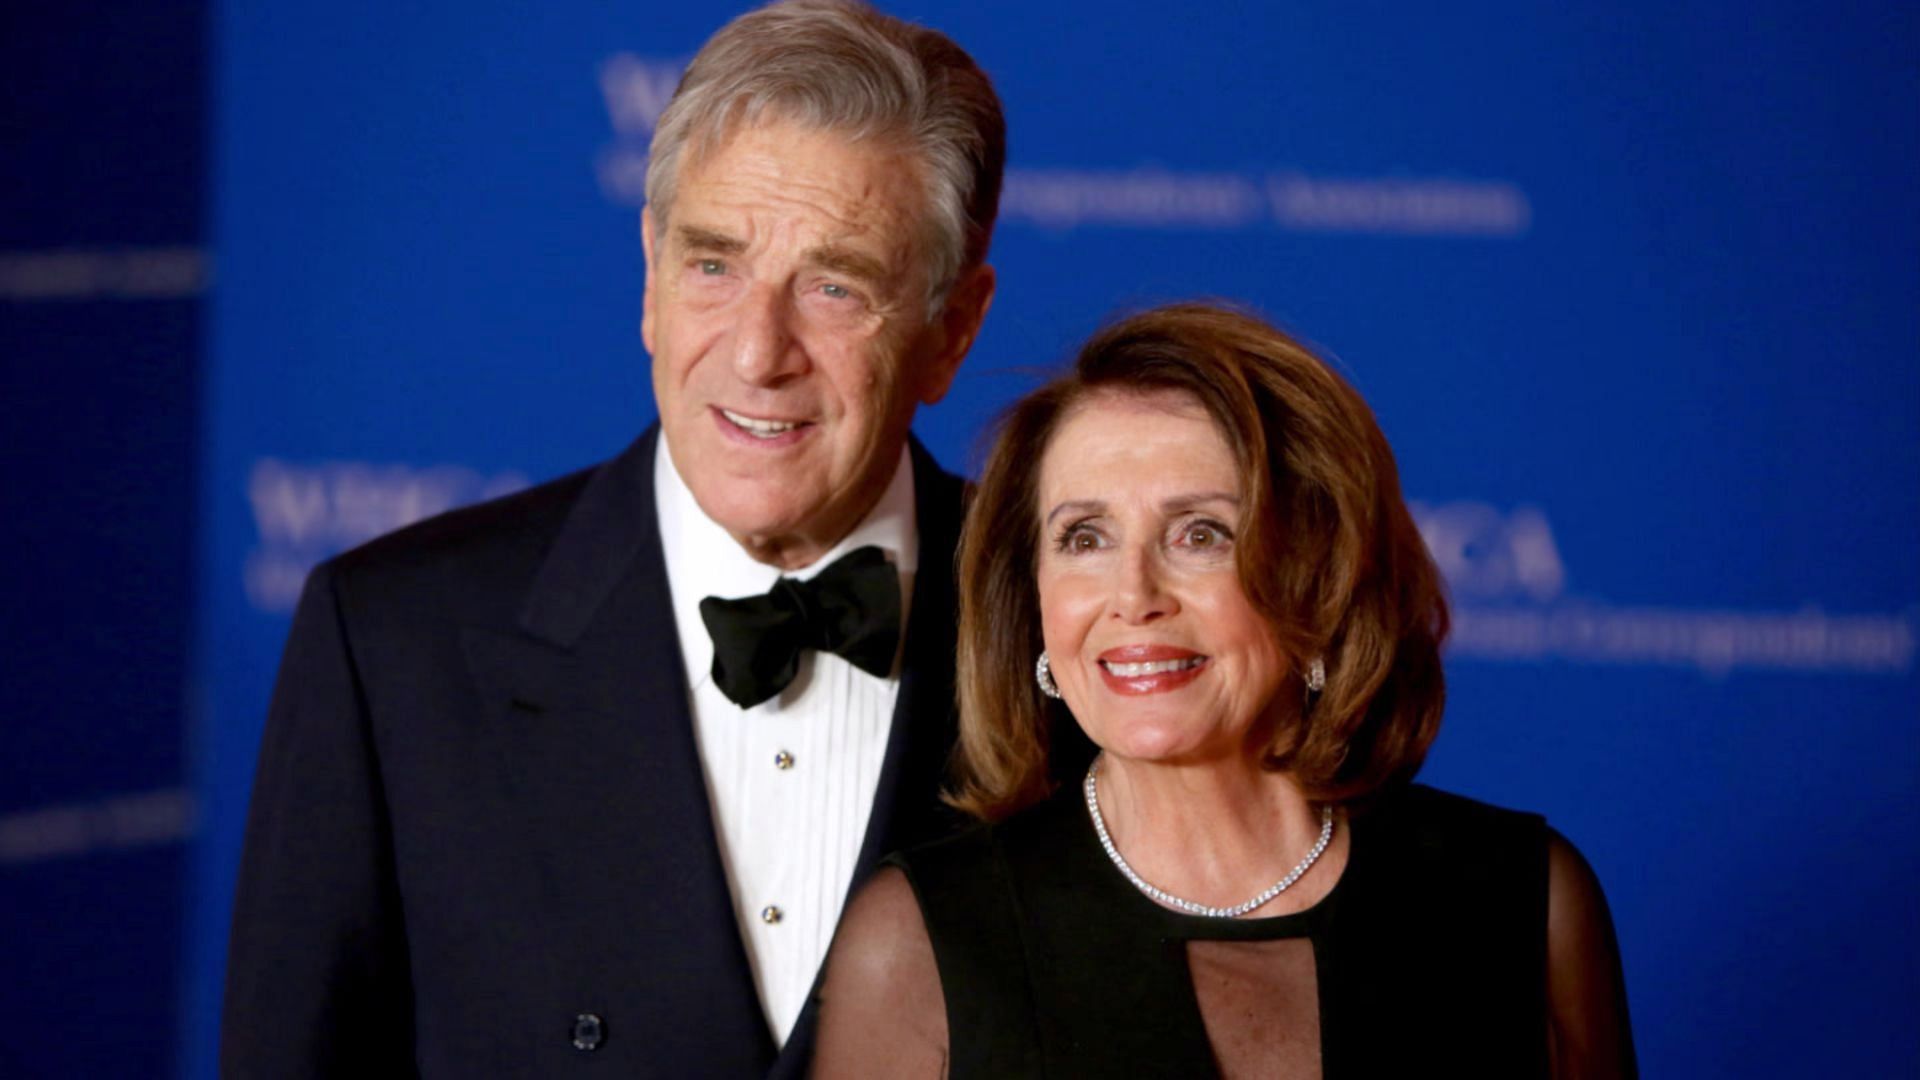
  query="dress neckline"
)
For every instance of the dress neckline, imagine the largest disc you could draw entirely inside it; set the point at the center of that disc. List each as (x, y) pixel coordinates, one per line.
(1180, 924)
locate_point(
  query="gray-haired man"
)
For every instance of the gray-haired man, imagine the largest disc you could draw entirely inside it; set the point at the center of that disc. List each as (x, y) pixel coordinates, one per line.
(581, 777)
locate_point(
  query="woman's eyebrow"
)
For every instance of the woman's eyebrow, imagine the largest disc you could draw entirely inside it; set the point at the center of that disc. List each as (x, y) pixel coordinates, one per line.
(1090, 506)
(1180, 504)
(1177, 504)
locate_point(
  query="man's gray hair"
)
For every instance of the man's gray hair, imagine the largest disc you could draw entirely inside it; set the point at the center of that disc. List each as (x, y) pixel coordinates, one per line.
(840, 65)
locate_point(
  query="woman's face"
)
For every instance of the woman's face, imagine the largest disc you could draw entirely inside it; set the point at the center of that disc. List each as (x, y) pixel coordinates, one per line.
(1155, 646)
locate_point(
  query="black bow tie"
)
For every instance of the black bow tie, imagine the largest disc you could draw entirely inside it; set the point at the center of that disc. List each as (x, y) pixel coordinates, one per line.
(851, 608)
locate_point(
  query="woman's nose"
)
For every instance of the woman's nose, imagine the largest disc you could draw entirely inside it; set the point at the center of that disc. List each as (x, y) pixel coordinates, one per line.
(1141, 595)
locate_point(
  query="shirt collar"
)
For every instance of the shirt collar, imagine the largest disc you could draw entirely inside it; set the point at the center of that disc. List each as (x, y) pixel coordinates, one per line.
(704, 560)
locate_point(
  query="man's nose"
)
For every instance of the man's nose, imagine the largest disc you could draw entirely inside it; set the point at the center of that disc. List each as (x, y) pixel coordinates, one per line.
(1141, 594)
(765, 351)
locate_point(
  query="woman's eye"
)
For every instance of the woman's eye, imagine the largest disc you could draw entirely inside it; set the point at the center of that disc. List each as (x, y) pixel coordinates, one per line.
(1203, 535)
(1077, 540)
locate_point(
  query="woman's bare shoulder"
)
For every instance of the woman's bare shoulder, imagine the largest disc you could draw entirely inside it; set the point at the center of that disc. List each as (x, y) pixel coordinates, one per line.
(882, 1012)
(1586, 991)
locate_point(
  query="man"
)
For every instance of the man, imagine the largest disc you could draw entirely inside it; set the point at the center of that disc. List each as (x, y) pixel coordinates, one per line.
(581, 777)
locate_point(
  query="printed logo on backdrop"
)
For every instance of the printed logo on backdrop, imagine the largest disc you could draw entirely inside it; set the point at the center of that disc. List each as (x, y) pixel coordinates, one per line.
(304, 512)
(142, 273)
(636, 89)
(117, 823)
(1510, 604)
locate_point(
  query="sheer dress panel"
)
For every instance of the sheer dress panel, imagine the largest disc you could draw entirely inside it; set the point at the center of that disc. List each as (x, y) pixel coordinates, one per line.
(1019, 950)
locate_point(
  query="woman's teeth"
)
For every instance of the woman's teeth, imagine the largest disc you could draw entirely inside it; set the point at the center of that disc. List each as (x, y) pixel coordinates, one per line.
(764, 429)
(1151, 667)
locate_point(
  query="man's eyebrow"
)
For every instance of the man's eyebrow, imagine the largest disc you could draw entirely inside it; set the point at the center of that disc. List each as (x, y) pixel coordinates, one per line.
(845, 260)
(696, 238)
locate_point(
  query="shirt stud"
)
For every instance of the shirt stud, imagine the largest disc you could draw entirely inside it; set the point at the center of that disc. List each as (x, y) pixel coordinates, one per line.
(589, 1031)
(783, 760)
(771, 914)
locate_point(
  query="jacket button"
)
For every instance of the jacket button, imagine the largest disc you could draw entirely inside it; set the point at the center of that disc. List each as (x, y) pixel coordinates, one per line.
(588, 1032)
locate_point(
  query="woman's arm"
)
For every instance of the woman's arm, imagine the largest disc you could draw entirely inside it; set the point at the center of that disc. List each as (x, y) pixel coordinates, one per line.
(881, 1009)
(1587, 1029)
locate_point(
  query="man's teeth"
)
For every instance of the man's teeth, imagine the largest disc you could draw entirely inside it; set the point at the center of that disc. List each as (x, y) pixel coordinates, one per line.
(765, 429)
(1151, 667)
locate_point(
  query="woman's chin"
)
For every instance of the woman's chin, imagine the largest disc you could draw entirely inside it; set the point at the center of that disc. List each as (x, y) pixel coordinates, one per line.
(1158, 744)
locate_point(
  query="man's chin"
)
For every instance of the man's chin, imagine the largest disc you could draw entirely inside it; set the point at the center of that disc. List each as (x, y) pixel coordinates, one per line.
(757, 507)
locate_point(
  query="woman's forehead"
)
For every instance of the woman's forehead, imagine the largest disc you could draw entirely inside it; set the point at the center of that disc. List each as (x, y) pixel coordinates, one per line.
(1111, 445)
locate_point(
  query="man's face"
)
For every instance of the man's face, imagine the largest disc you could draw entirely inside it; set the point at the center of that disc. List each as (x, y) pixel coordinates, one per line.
(785, 310)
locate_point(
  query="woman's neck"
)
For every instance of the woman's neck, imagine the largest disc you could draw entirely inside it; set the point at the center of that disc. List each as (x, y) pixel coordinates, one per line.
(1218, 832)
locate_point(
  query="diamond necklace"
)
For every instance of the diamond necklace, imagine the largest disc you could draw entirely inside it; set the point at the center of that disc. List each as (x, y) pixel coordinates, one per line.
(1188, 906)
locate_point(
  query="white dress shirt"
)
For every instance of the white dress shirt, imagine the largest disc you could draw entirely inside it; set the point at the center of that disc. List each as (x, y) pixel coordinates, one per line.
(791, 780)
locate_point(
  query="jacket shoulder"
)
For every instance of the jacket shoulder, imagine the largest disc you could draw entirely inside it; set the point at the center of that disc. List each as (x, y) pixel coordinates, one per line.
(481, 556)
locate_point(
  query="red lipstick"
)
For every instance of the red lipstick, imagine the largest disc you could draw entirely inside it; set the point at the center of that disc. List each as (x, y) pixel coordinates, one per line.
(1150, 669)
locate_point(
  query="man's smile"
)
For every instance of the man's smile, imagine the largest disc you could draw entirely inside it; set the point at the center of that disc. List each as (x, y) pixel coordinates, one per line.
(761, 430)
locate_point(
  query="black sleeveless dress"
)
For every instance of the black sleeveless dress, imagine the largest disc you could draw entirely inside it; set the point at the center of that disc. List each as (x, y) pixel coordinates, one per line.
(1427, 958)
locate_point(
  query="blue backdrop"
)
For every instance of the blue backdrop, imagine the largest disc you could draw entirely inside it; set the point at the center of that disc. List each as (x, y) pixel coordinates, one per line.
(102, 183)
(1633, 289)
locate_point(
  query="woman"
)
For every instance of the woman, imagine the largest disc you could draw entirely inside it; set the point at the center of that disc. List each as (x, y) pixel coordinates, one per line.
(1199, 666)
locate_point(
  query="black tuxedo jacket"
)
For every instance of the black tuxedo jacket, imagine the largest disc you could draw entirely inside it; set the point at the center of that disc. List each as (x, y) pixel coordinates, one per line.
(480, 843)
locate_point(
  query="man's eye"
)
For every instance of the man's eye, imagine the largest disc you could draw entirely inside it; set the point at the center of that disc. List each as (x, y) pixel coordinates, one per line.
(838, 292)
(712, 267)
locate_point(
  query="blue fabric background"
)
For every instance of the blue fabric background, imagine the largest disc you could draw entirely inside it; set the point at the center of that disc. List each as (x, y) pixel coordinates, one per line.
(1634, 289)
(1694, 363)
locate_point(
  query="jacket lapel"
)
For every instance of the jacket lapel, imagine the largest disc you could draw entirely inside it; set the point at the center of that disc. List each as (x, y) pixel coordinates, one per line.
(906, 808)
(599, 748)
(906, 802)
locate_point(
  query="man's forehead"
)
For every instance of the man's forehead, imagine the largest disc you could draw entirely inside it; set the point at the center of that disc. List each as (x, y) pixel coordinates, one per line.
(842, 182)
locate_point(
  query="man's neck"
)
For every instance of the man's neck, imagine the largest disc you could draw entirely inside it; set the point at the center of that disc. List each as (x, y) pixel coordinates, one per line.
(798, 550)
(795, 552)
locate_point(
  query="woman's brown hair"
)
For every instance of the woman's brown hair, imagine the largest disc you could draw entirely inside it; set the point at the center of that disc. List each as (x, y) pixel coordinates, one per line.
(1327, 551)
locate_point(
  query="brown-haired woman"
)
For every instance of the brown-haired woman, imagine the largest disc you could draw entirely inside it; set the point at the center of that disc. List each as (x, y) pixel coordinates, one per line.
(1199, 666)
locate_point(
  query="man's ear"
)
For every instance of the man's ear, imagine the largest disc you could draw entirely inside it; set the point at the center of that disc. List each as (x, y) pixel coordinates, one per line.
(646, 290)
(959, 324)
